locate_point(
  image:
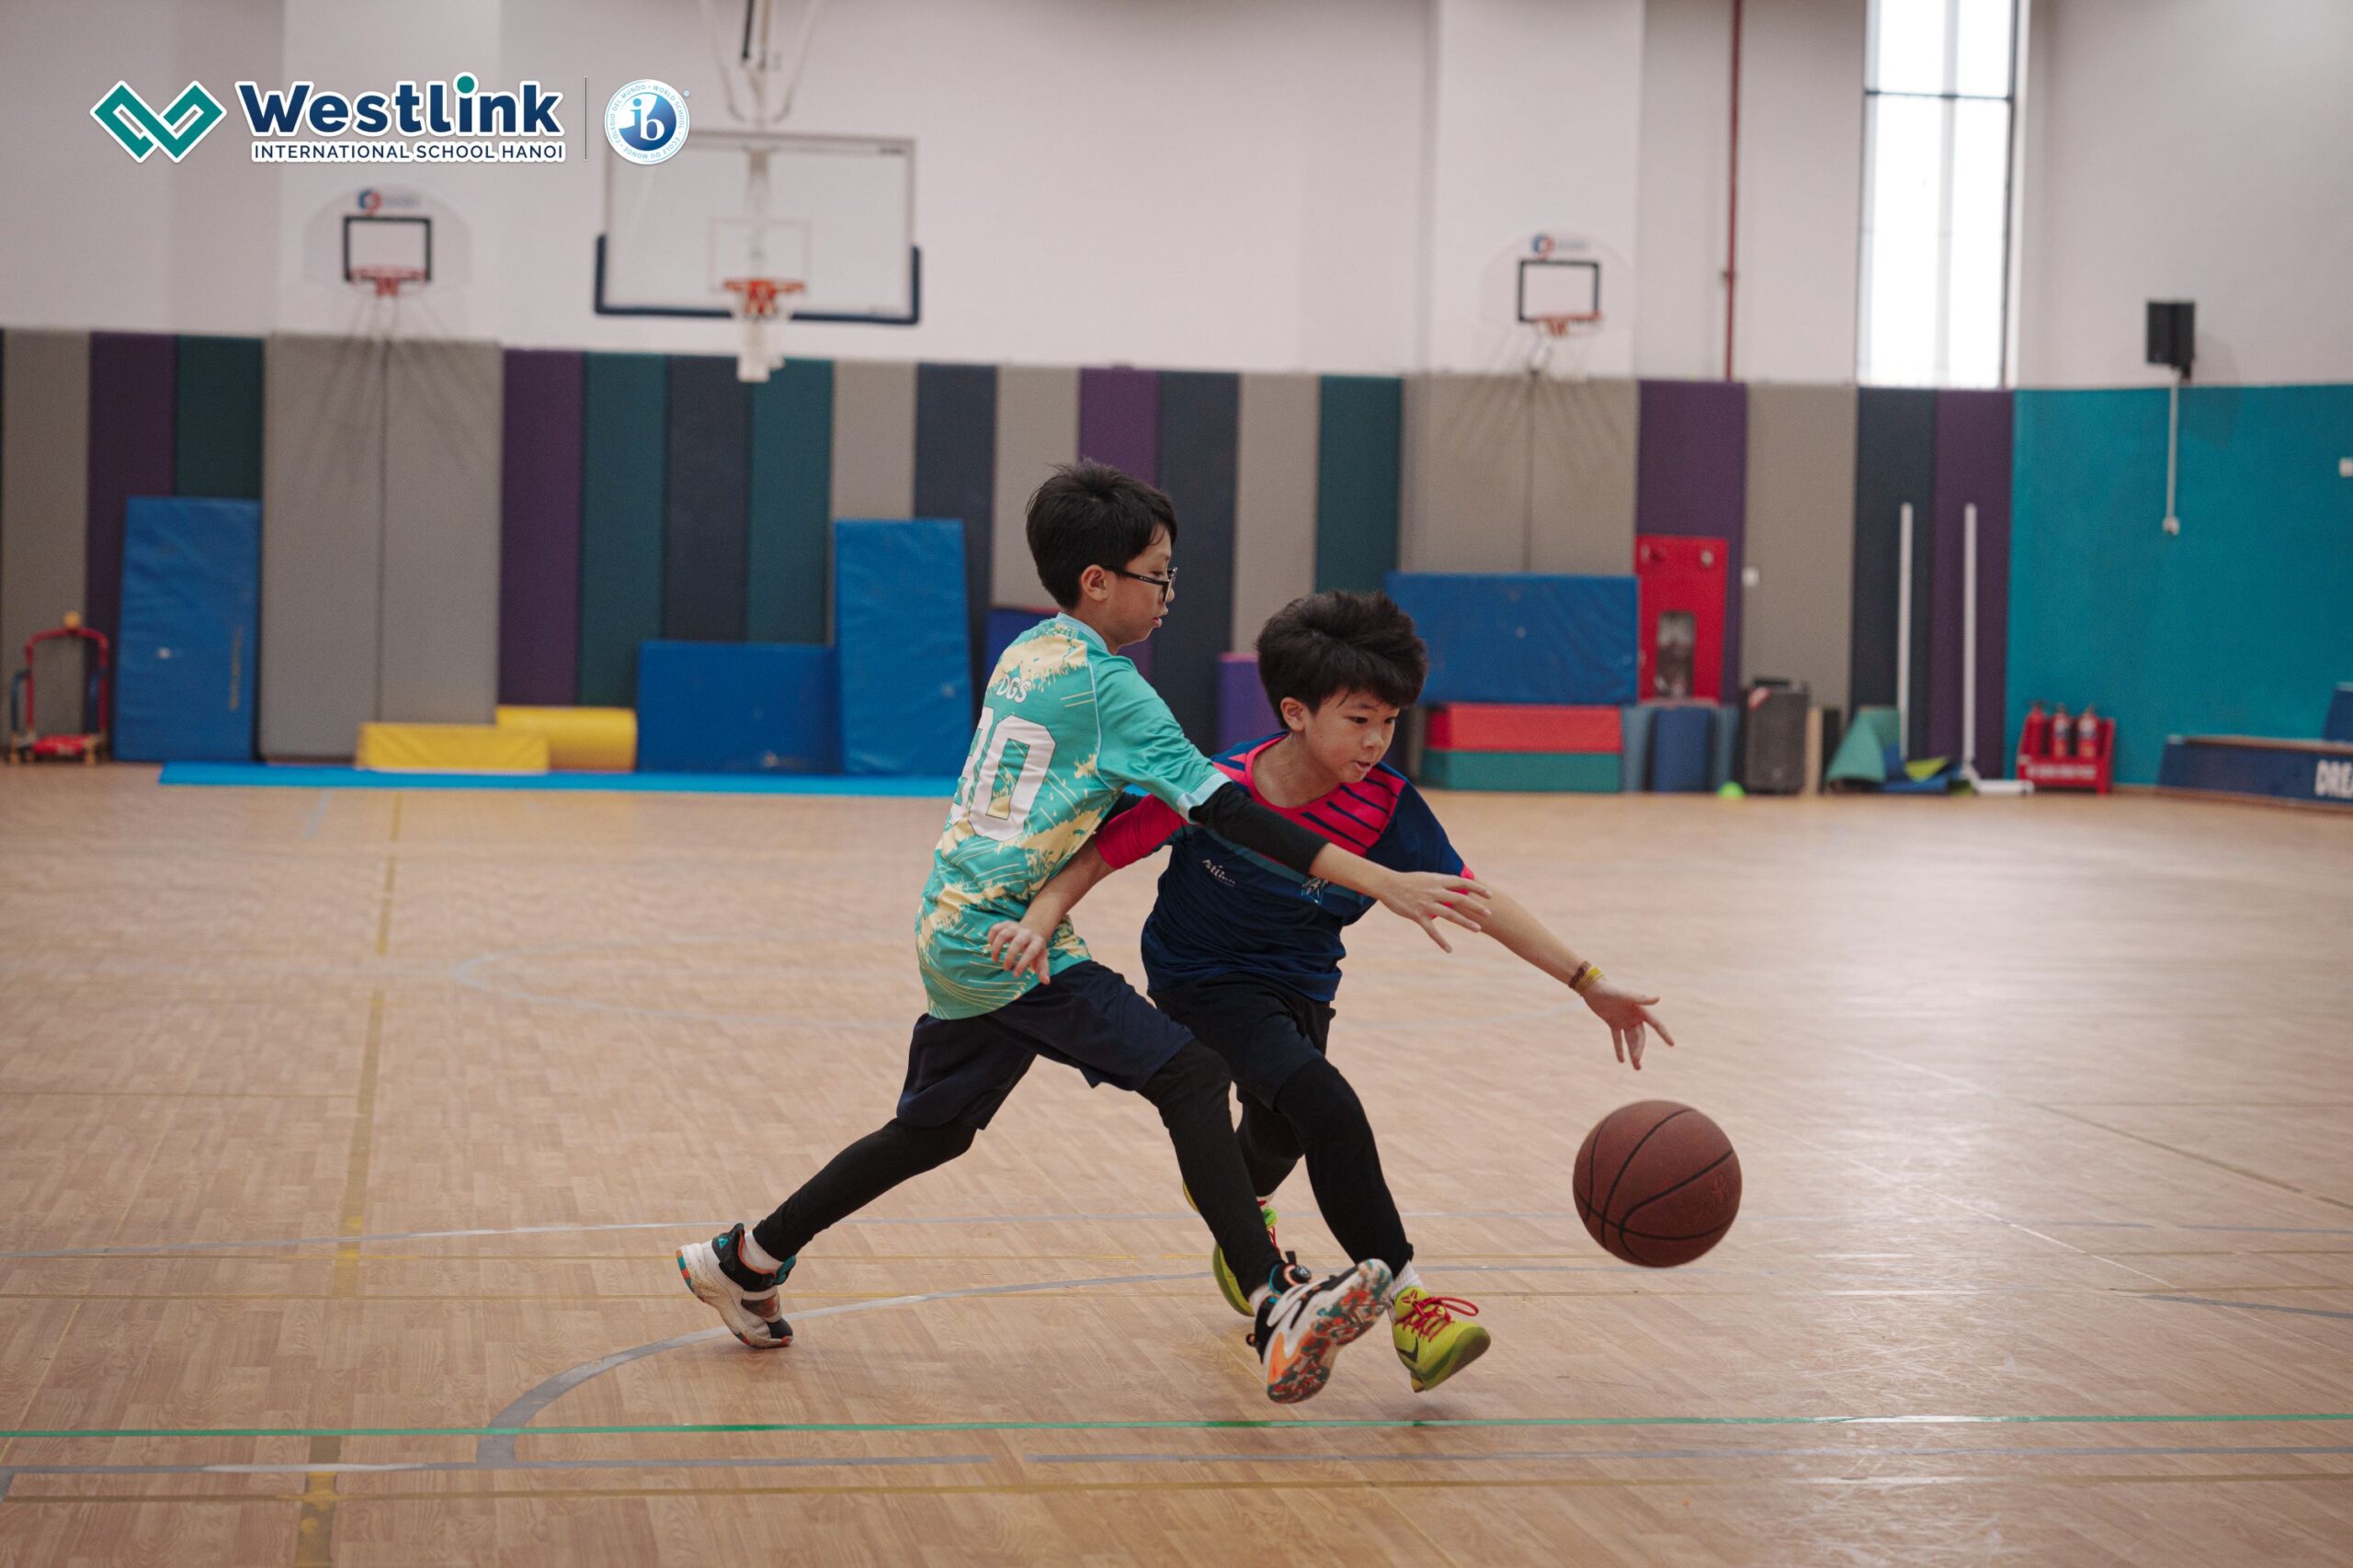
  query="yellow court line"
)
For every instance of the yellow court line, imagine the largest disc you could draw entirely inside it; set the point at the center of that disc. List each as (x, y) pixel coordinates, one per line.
(314, 1529)
(315, 1526)
(384, 914)
(363, 1139)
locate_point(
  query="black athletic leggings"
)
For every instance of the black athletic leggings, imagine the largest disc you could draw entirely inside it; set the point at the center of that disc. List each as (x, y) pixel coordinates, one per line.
(1318, 1115)
(1189, 1092)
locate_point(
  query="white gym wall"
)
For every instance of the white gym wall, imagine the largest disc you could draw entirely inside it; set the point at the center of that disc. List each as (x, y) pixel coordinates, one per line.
(1226, 184)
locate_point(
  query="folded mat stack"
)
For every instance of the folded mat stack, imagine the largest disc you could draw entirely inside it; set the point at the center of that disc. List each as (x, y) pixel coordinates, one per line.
(450, 748)
(1529, 748)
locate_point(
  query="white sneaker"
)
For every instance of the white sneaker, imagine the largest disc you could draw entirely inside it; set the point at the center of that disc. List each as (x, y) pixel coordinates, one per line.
(1300, 1332)
(744, 1298)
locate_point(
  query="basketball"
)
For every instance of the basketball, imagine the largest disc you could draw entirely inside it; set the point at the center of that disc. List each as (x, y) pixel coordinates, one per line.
(1657, 1183)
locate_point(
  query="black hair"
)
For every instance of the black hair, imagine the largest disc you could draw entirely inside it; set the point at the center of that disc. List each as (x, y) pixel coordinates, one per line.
(1090, 514)
(1318, 647)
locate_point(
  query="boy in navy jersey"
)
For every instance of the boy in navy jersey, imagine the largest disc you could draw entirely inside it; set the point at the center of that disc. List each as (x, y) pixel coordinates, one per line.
(1245, 953)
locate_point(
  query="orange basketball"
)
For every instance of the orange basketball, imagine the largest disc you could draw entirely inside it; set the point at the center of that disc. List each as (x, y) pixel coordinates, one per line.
(1657, 1183)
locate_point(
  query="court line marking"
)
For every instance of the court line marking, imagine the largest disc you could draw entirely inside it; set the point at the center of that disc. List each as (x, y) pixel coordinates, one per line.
(2048, 1107)
(705, 1224)
(1532, 1456)
(2255, 1306)
(1232, 1423)
(363, 1142)
(1392, 1484)
(496, 1445)
(422, 1467)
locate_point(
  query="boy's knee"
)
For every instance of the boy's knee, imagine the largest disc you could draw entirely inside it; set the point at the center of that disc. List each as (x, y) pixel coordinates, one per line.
(936, 1146)
(1194, 1074)
(1323, 1106)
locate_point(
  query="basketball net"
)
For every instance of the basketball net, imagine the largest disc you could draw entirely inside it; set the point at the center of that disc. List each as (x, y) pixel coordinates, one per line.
(1547, 333)
(757, 303)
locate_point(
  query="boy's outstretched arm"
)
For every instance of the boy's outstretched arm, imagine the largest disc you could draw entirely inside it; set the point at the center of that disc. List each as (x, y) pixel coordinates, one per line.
(1624, 1010)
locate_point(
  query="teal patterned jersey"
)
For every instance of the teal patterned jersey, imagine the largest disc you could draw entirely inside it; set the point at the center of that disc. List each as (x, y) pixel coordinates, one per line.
(1066, 726)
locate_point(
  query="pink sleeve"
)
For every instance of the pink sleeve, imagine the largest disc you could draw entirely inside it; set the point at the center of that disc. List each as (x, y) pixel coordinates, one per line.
(1137, 831)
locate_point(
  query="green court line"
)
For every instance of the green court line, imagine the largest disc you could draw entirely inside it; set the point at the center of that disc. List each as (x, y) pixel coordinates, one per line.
(671, 1429)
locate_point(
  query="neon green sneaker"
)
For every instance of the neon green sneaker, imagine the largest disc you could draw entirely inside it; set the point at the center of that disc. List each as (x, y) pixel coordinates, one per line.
(1430, 1340)
(1231, 1287)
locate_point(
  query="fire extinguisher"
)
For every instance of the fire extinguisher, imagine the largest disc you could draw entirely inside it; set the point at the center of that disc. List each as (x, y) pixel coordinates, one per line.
(2034, 739)
(2086, 734)
(2063, 733)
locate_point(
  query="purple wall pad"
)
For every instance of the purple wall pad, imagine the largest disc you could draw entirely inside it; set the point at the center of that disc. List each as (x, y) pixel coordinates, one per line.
(132, 376)
(539, 552)
(1691, 479)
(1972, 468)
(1118, 423)
(1242, 714)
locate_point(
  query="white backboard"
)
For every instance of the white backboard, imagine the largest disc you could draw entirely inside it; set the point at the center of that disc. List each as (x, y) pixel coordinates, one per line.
(835, 214)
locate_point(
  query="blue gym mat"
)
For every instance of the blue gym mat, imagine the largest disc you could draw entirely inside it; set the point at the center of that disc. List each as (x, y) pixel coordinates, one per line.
(269, 776)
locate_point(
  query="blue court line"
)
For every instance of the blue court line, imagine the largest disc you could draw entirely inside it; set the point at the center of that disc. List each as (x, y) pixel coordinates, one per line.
(275, 776)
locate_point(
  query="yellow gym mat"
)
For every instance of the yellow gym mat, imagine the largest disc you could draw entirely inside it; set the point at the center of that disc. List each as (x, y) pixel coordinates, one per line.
(593, 739)
(450, 748)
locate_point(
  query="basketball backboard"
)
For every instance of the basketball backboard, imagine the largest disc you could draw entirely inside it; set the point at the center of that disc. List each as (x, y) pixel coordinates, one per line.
(372, 232)
(834, 214)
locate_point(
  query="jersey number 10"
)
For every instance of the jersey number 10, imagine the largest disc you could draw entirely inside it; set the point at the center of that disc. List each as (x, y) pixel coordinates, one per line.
(976, 792)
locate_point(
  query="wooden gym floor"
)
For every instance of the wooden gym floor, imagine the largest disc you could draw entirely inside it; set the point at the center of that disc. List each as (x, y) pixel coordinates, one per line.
(341, 1135)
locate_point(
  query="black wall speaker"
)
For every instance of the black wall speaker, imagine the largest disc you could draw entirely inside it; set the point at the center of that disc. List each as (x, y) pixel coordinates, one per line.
(2173, 334)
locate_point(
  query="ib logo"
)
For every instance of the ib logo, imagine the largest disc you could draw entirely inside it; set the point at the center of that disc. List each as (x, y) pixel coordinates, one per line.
(140, 129)
(647, 121)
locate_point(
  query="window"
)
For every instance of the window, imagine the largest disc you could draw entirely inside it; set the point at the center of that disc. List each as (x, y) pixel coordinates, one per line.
(1938, 96)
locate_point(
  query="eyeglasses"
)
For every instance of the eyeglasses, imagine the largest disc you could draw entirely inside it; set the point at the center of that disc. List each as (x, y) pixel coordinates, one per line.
(1167, 585)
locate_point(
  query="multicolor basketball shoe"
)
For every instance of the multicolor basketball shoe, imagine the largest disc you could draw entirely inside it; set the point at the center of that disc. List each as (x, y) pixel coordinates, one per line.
(743, 1296)
(1430, 1340)
(1300, 1332)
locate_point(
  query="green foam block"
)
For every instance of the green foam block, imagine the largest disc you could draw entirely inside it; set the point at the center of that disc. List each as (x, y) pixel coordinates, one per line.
(1583, 773)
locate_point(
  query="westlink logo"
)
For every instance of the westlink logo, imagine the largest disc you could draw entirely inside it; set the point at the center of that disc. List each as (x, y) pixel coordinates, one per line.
(451, 120)
(141, 130)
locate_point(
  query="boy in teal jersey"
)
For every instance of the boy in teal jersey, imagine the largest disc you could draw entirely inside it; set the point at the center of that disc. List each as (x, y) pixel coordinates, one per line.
(1066, 727)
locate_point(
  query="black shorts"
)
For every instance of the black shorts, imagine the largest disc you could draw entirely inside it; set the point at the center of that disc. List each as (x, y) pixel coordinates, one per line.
(1263, 1032)
(959, 1070)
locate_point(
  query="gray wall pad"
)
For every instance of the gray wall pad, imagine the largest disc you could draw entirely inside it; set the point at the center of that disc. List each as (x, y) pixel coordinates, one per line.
(1274, 503)
(1465, 475)
(1037, 426)
(1801, 537)
(874, 439)
(1584, 436)
(44, 504)
(441, 533)
(322, 466)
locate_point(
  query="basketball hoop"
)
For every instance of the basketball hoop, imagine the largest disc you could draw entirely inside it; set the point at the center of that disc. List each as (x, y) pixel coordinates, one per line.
(1548, 331)
(388, 281)
(1562, 325)
(757, 301)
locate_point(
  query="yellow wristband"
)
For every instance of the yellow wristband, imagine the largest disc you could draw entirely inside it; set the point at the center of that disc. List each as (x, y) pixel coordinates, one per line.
(1585, 976)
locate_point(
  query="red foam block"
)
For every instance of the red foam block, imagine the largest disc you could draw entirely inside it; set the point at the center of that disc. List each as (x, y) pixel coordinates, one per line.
(1515, 726)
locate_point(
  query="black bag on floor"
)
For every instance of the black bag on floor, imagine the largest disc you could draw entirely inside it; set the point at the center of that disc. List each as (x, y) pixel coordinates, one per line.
(1772, 737)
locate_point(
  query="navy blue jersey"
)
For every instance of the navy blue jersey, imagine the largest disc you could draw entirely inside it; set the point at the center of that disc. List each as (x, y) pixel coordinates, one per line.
(1223, 910)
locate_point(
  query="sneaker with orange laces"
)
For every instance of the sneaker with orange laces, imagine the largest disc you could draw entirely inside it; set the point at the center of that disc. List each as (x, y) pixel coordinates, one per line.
(1430, 1336)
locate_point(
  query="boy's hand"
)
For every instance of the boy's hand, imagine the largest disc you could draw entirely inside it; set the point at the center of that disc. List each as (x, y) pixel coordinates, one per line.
(1427, 897)
(1014, 947)
(1626, 1013)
